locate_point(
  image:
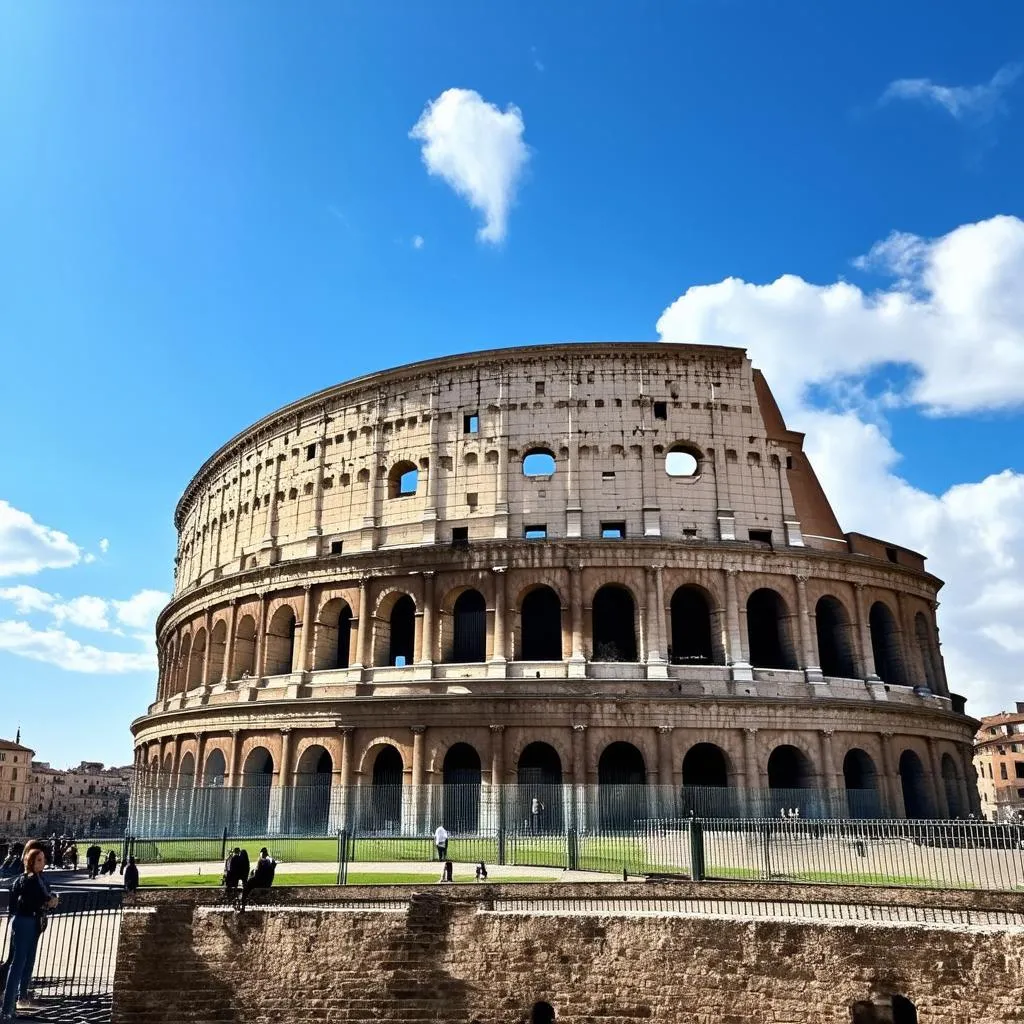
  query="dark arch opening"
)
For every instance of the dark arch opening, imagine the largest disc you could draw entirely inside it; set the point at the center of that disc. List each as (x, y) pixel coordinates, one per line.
(951, 785)
(705, 765)
(860, 778)
(543, 1013)
(691, 628)
(254, 796)
(344, 637)
(916, 801)
(311, 795)
(614, 636)
(403, 631)
(539, 779)
(215, 770)
(835, 643)
(903, 1011)
(384, 813)
(469, 627)
(885, 644)
(788, 768)
(622, 786)
(243, 658)
(461, 805)
(541, 618)
(280, 642)
(767, 632)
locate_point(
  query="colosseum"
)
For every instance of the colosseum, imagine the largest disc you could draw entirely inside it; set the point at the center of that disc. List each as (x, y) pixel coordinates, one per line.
(582, 567)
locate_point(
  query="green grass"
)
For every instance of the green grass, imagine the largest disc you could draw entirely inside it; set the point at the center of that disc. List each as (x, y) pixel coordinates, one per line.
(327, 878)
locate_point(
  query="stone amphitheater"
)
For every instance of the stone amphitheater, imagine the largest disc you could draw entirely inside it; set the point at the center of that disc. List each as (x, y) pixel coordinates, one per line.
(586, 565)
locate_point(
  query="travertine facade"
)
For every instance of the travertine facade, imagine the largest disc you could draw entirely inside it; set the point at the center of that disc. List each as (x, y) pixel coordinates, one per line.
(999, 762)
(507, 562)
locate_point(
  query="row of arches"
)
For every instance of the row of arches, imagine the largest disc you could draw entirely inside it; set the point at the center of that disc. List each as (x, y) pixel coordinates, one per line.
(622, 775)
(696, 636)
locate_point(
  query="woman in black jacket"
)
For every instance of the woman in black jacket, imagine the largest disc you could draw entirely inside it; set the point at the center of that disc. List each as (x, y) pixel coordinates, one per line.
(29, 900)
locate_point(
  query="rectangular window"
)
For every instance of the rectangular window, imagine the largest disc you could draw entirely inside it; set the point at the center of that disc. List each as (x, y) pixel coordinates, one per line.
(310, 452)
(538, 532)
(618, 403)
(761, 537)
(471, 500)
(1002, 770)
(661, 410)
(460, 536)
(471, 423)
(608, 477)
(789, 462)
(613, 531)
(538, 387)
(14, 774)
(890, 553)
(336, 546)
(1018, 769)
(12, 794)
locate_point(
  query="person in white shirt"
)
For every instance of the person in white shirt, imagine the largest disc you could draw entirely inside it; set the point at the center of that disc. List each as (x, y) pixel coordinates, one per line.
(441, 841)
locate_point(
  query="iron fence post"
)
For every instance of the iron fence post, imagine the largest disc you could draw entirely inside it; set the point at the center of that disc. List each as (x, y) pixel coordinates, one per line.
(224, 844)
(697, 871)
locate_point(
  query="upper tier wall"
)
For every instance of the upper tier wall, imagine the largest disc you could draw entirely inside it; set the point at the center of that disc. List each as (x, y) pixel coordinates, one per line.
(321, 475)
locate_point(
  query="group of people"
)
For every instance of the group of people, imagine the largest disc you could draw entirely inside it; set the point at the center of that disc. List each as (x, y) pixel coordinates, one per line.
(237, 872)
(58, 852)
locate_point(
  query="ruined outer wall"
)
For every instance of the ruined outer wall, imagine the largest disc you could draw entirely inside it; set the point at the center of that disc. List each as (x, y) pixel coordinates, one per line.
(446, 960)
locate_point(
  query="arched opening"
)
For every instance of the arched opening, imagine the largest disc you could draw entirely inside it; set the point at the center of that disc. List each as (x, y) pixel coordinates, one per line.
(951, 786)
(926, 646)
(382, 815)
(860, 778)
(612, 623)
(187, 771)
(789, 768)
(254, 797)
(244, 658)
(215, 770)
(311, 794)
(835, 639)
(913, 782)
(885, 644)
(184, 659)
(333, 635)
(768, 631)
(461, 774)
(280, 642)
(543, 1013)
(402, 631)
(402, 480)
(539, 462)
(622, 786)
(541, 629)
(196, 659)
(218, 651)
(539, 778)
(682, 461)
(705, 783)
(469, 627)
(691, 627)
(903, 1011)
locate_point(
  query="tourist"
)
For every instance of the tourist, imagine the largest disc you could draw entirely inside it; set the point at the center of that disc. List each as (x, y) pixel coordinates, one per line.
(535, 808)
(262, 876)
(25, 994)
(71, 856)
(131, 876)
(441, 842)
(110, 864)
(29, 901)
(233, 873)
(243, 866)
(446, 872)
(481, 872)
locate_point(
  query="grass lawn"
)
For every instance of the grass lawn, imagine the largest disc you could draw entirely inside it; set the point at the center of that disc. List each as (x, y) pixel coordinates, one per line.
(325, 878)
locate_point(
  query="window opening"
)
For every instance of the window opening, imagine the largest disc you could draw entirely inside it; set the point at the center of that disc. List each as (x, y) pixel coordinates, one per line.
(310, 452)
(890, 553)
(680, 462)
(607, 477)
(538, 387)
(460, 536)
(471, 423)
(661, 410)
(336, 546)
(761, 537)
(535, 532)
(538, 462)
(471, 500)
(613, 531)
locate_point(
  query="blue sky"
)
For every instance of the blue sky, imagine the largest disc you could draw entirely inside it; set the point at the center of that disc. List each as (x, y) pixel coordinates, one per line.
(209, 210)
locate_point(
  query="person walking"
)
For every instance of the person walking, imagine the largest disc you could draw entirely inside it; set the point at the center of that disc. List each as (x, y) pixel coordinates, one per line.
(233, 871)
(131, 876)
(262, 876)
(29, 901)
(92, 859)
(441, 842)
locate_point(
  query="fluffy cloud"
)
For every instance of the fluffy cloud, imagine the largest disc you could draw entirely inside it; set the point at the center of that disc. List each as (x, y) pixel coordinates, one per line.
(980, 102)
(955, 317)
(956, 297)
(57, 648)
(140, 611)
(418, 242)
(27, 547)
(478, 150)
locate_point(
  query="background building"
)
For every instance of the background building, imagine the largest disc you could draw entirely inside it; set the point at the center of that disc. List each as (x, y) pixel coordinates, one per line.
(590, 568)
(14, 785)
(999, 761)
(79, 801)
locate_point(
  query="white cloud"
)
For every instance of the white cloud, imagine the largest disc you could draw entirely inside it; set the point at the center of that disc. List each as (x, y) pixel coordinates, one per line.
(139, 612)
(28, 547)
(57, 648)
(478, 150)
(104, 545)
(956, 317)
(978, 102)
(418, 242)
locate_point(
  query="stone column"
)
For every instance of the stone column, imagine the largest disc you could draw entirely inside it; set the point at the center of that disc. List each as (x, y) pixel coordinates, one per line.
(345, 778)
(666, 782)
(282, 793)
(197, 779)
(208, 621)
(808, 640)
(499, 577)
(579, 775)
(867, 654)
(261, 641)
(234, 751)
(417, 802)
(829, 778)
(751, 769)
(229, 643)
(655, 647)
(577, 662)
(737, 654)
(492, 808)
(892, 786)
(938, 783)
(300, 653)
(427, 639)
(363, 635)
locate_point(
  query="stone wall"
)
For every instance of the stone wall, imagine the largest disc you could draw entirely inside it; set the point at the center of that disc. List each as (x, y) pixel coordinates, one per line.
(443, 955)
